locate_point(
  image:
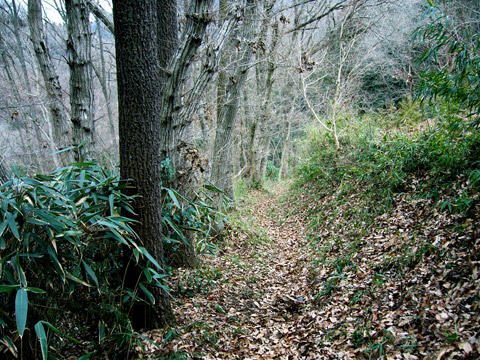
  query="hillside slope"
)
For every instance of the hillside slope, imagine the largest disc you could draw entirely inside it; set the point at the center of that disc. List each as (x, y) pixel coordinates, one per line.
(310, 276)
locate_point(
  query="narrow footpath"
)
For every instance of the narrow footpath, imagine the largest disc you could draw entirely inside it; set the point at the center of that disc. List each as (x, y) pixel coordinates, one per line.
(405, 287)
(252, 300)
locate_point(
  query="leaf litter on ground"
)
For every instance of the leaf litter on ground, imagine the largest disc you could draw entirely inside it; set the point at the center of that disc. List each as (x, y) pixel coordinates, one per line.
(321, 284)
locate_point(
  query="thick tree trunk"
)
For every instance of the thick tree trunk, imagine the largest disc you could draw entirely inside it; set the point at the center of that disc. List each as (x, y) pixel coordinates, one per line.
(177, 137)
(228, 97)
(79, 46)
(59, 122)
(139, 76)
(177, 108)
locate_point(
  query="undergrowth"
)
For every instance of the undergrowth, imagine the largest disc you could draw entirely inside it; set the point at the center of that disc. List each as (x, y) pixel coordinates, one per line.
(393, 165)
(383, 155)
(63, 242)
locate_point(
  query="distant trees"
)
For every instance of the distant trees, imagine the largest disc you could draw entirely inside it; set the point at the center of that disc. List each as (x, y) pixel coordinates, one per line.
(374, 69)
(230, 84)
(19, 89)
(36, 79)
(452, 63)
(282, 65)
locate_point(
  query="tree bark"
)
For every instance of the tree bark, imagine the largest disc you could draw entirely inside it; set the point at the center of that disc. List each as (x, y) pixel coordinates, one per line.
(178, 108)
(102, 15)
(58, 116)
(139, 77)
(101, 75)
(79, 44)
(4, 174)
(177, 143)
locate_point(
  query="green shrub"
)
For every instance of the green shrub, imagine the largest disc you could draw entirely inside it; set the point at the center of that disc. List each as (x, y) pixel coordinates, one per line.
(61, 265)
(199, 216)
(272, 171)
(383, 162)
(452, 64)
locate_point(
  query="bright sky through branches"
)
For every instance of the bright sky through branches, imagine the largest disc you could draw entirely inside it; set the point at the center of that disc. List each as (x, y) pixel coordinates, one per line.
(51, 8)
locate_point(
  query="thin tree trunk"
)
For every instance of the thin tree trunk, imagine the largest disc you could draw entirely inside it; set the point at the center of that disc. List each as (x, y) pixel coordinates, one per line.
(283, 171)
(29, 115)
(21, 53)
(102, 78)
(4, 174)
(79, 45)
(17, 115)
(57, 113)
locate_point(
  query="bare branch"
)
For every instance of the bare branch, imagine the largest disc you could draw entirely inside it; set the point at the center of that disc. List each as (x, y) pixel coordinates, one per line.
(338, 6)
(101, 14)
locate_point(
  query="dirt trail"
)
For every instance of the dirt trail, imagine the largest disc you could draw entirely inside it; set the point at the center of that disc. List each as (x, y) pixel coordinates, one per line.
(405, 287)
(251, 301)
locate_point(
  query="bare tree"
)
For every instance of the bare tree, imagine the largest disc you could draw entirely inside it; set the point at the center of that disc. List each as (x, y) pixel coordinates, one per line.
(179, 103)
(102, 76)
(79, 47)
(59, 123)
(264, 80)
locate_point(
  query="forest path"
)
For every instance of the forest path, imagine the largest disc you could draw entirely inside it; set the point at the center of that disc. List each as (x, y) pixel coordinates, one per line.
(250, 301)
(403, 286)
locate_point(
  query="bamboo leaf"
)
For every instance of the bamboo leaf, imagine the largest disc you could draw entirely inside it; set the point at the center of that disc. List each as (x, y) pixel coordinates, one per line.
(149, 257)
(173, 197)
(147, 293)
(77, 280)
(12, 224)
(55, 330)
(54, 257)
(111, 198)
(8, 288)
(21, 309)
(175, 228)
(10, 345)
(42, 337)
(90, 272)
(19, 270)
(35, 290)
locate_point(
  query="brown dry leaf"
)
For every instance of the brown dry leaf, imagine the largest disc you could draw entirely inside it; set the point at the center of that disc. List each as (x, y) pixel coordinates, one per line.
(406, 288)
